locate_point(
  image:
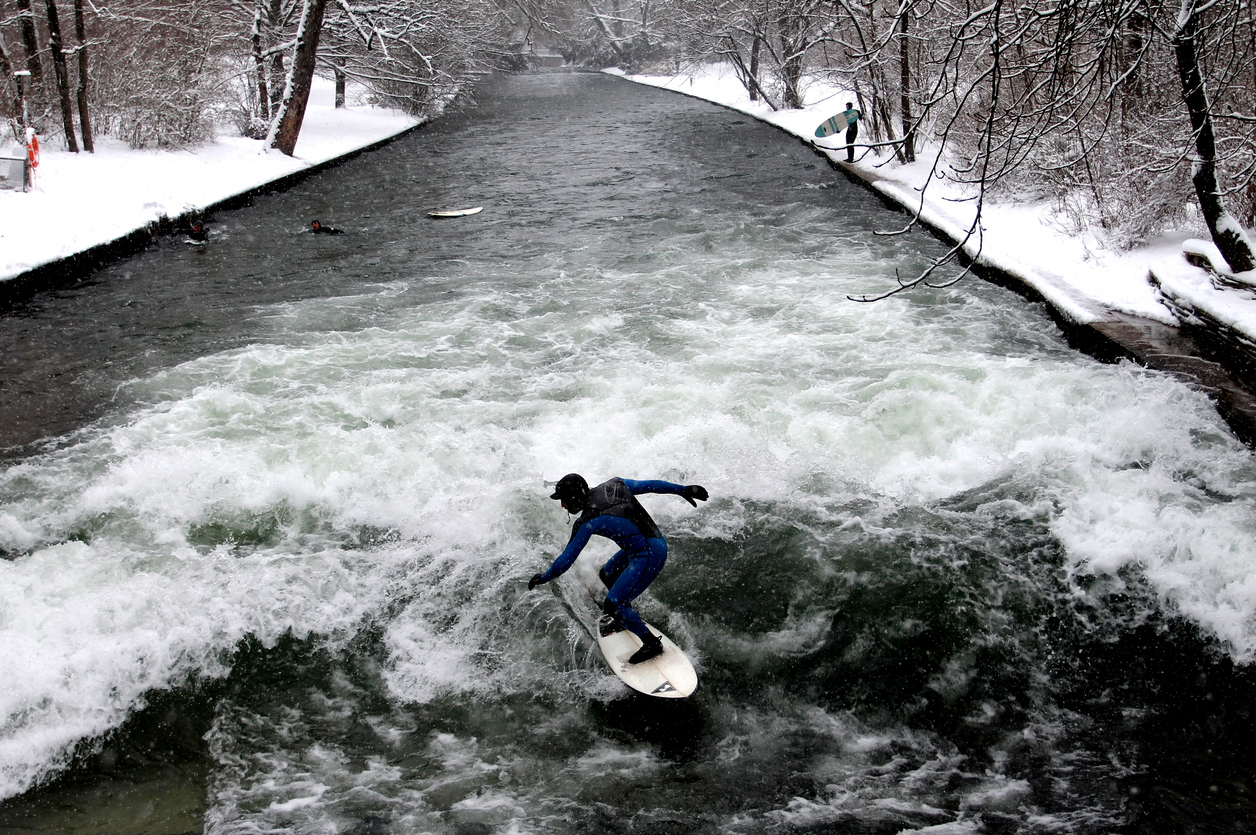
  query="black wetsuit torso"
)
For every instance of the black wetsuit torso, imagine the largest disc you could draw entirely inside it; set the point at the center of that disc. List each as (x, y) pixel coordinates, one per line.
(613, 498)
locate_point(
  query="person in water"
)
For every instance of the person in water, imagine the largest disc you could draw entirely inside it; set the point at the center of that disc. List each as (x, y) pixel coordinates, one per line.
(852, 115)
(198, 232)
(611, 510)
(319, 229)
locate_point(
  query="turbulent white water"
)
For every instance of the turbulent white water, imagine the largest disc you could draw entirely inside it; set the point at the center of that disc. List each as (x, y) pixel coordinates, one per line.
(375, 464)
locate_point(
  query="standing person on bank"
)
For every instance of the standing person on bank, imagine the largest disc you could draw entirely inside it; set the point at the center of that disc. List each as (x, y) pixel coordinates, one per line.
(852, 115)
(612, 510)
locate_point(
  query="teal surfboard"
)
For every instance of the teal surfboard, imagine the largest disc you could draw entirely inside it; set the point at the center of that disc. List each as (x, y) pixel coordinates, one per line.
(831, 126)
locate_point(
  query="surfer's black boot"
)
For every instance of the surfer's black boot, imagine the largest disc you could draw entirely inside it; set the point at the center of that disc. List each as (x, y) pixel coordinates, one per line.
(651, 648)
(610, 622)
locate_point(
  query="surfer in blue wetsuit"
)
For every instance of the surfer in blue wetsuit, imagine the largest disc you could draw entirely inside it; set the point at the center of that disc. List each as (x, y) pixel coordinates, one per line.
(611, 510)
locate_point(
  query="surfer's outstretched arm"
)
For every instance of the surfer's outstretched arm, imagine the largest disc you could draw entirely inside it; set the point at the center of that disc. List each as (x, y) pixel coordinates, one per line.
(688, 492)
(579, 539)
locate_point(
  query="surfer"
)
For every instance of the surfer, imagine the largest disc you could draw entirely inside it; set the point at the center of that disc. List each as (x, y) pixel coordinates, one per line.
(852, 115)
(612, 510)
(198, 233)
(319, 229)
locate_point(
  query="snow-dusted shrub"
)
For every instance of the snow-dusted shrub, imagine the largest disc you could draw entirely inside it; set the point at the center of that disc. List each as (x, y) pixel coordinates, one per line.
(155, 82)
(415, 55)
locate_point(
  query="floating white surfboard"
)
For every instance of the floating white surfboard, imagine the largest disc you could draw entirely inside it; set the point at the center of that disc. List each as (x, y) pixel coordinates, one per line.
(668, 676)
(456, 212)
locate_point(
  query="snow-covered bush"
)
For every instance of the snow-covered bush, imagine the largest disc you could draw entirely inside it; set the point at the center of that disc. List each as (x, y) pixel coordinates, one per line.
(155, 82)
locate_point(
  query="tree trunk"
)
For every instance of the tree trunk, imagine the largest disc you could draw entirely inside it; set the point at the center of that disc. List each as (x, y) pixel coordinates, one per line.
(1226, 232)
(277, 71)
(904, 56)
(63, 79)
(339, 70)
(277, 75)
(262, 114)
(6, 68)
(80, 32)
(1251, 180)
(26, 17)
(611, 38)
(792, 32)
(755, 46)
(286, 126)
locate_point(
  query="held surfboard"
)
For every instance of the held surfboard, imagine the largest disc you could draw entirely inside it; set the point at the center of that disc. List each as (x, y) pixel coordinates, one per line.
(831, 126)
(668, 676)
(455, 212)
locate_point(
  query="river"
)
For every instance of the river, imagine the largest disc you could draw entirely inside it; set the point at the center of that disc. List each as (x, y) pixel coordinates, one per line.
(268, 510)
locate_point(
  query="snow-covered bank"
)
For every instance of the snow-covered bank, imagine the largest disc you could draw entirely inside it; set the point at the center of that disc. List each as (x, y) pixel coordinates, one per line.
(81, 201)
(1084, 281)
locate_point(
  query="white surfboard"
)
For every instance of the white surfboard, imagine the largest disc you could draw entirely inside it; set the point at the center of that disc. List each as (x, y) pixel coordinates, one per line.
(668, 676)
(456, 212)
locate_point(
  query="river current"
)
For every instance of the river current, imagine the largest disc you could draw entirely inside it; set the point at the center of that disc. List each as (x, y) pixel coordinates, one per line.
(268, 510)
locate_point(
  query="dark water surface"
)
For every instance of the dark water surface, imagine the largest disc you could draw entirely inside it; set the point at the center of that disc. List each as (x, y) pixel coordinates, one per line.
(268, 511)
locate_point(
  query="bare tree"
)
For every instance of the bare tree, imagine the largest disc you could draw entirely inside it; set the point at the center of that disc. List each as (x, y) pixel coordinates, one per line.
(62, 74)
(412, 54)
(6, 67)
(1226, 232)
(768, 42)
(1027, 96)
(865, 58)
(1071, 100)
(164, 72)
(415, 56)
(737, 33)
(905, 84)
(80, 33)
(164, 69)
(26, 20)
(259, 117)
(801, 25)
(286, 125)
(628, 33)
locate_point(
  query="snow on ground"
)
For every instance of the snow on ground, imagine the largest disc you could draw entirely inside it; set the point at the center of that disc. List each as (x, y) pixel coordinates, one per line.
(83, 200)
(1075, 273)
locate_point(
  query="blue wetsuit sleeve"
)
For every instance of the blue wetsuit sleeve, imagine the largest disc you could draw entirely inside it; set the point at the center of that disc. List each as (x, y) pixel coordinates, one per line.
(654, 486)
(579, 539)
